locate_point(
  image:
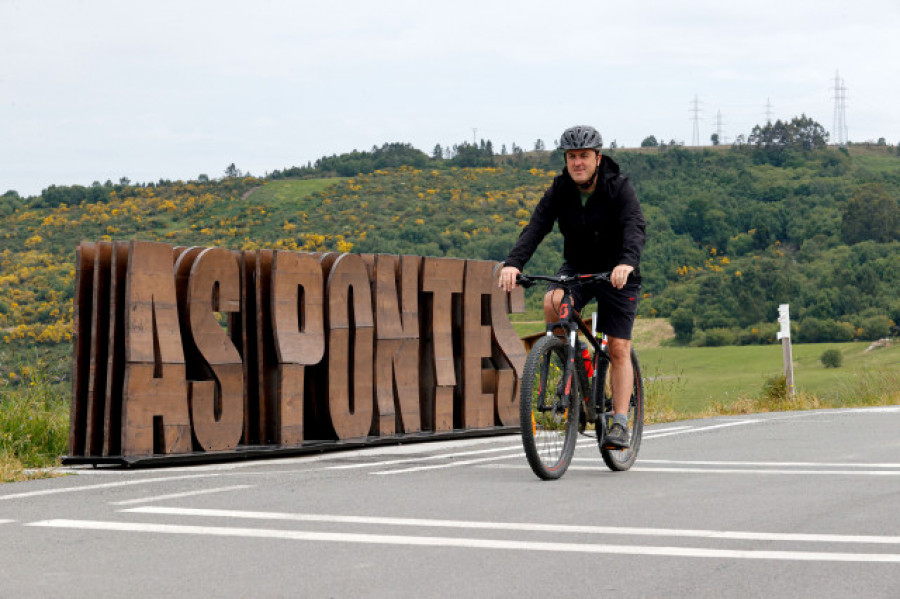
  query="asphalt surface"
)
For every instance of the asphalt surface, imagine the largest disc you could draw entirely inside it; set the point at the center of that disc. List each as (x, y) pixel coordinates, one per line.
(802, 504)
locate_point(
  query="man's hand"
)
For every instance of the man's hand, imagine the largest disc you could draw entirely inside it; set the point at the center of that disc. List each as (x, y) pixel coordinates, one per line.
(619, 275)
(508, 276)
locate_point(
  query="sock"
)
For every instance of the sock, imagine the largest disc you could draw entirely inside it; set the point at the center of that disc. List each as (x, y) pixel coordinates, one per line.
(621, 419)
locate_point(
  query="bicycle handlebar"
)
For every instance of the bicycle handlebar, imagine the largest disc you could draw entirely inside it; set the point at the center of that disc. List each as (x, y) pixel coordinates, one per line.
(529, 280)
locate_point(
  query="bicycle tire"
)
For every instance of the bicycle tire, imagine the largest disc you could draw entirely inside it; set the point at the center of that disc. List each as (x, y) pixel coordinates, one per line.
(549, 423)
(622, 459)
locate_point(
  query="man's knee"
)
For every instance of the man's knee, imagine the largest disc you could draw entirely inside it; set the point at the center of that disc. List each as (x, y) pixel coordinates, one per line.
(619, 349)
(552, 300)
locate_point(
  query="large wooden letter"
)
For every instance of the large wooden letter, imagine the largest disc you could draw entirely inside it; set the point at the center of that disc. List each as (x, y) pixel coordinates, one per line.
(508, 350)
(441, 278)
(154, 404)
(351, 332)
(397, 344)
(299, 327)
(209, 282)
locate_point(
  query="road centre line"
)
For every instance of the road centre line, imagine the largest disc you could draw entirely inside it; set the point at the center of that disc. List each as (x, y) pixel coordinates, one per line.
(180, 495)
(123, 483)
(519, 526)
(6, 521)
(469, 543)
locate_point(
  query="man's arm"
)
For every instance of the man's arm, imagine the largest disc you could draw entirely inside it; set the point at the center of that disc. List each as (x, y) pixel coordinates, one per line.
(634, 227)
(538, 226)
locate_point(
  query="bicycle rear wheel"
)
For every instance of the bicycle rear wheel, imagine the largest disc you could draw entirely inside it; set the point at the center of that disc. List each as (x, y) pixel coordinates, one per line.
(549, 408)
(623, 459)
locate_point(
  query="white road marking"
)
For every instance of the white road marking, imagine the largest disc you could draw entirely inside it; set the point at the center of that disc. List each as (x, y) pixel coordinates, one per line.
(798, 464)
(515, 451)
(668, 429)
(639, 468)
(698, 429)
(771, 471)
(180, 495)
(519, 526)
(516, 448)
(6, 521)
(123, 483)
(468, 543)
(517, 455)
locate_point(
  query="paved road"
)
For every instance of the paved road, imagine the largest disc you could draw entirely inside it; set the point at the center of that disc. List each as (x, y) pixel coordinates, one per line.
(802, 504)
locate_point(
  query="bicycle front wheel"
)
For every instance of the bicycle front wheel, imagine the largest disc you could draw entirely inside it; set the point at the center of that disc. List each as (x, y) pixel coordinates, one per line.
(549, 405)
(623, 459)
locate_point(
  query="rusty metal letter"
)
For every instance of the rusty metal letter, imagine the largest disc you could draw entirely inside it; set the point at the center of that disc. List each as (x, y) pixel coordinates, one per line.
(209, 282)
(299, 329)
(351, 335)
(477, 406)
(508, 350)
(397, 344)
(154, 404)
(441, 279)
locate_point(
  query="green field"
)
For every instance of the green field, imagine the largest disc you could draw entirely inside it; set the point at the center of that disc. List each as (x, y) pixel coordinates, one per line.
(698, 376)
(691, 380)
(290, 193)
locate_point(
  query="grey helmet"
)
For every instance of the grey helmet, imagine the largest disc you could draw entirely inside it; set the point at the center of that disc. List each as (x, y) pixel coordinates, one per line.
(581, 137)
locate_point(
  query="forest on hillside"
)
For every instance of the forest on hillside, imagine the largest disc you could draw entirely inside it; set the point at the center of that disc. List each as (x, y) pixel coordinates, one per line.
(732, 231)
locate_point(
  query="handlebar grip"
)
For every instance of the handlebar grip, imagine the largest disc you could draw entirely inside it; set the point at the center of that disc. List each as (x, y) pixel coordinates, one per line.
(523, 281)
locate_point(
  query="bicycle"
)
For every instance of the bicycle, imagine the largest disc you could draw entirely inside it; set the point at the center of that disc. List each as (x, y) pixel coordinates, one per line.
(562, 386)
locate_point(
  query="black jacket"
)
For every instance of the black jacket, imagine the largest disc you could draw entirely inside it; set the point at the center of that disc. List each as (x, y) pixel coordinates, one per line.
(607, 231)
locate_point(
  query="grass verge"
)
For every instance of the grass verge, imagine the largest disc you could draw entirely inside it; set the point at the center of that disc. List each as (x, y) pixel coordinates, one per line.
(34, 425)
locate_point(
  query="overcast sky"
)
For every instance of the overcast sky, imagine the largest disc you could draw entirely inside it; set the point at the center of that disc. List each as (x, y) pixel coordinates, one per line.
(92, 90)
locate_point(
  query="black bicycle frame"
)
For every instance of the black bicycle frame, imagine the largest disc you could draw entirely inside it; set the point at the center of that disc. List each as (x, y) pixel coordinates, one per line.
(571, 322)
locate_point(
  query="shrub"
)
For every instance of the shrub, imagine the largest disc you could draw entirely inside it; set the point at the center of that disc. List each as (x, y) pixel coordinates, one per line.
(718, 337)
(832, 358)
(775, 388)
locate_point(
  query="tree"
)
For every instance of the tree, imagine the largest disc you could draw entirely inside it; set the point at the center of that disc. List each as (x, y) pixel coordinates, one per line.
(438, 152)
(232, 171)
(714, 138)
(801, 133)
(649, 142)
(539, 145)
(871, 214)
(466, 154)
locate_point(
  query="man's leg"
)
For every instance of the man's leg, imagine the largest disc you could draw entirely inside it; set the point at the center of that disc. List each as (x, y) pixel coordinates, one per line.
(621, 373)
(552, 300)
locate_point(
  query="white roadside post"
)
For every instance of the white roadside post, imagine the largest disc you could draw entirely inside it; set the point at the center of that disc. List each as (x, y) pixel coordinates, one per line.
(784, 319)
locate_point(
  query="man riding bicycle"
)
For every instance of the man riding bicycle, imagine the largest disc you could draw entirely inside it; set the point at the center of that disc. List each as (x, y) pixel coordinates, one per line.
(603, 229)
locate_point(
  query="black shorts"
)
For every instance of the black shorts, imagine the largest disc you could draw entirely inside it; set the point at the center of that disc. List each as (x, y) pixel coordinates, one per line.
(616, 308)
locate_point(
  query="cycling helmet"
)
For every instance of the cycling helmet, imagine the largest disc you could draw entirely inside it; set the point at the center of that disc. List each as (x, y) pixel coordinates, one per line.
(580, 137)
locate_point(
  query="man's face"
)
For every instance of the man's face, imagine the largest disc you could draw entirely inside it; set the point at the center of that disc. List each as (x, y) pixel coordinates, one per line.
(581, 164)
